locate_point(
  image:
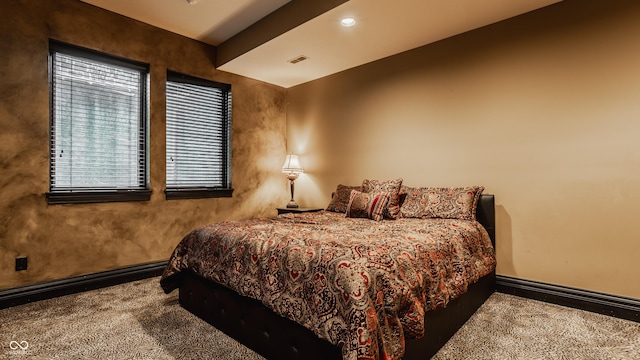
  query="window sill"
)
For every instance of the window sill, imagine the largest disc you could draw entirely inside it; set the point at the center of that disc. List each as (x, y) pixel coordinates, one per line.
(196, 193)
(98, 196)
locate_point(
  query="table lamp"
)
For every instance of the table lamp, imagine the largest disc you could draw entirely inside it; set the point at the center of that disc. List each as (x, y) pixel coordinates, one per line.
(292, 169)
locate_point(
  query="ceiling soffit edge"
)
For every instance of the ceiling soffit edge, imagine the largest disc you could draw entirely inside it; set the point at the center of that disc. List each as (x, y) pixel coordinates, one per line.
(285, 18)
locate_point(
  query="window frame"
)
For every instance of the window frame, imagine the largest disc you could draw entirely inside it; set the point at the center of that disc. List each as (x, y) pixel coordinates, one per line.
(197, 192)
(97, 195)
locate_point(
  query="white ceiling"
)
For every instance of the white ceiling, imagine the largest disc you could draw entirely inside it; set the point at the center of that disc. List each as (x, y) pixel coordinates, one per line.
(384, 28)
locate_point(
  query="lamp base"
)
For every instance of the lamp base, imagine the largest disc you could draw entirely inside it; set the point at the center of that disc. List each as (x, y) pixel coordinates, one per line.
(292, 205)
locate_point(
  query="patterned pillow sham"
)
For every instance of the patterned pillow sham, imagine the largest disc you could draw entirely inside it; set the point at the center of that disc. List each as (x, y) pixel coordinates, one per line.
(452, 202)
(392, 187)
(415, 202)
(341, 197)
(367, 205)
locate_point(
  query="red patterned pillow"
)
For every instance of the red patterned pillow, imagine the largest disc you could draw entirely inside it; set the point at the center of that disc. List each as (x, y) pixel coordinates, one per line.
(390, 186)
(341, 197)
(367, 205)
(415, 202)
(453, 202)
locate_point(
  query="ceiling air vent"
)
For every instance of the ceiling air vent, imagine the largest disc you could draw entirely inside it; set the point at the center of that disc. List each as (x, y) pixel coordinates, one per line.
(297, 59)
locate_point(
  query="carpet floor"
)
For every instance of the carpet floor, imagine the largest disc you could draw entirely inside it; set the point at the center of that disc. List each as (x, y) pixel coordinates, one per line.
(138, 321)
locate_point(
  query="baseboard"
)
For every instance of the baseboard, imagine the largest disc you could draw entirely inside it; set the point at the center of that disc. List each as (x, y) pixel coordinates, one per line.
(50, 289)
(612, 305)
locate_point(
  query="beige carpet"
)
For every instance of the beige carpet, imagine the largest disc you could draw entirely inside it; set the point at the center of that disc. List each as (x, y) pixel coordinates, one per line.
(138, 321)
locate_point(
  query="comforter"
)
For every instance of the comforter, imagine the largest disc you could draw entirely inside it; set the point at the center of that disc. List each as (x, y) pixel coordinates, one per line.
(360, 284)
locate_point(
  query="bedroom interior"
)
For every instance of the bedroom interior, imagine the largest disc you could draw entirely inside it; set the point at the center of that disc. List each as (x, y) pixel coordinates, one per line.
(541, 109)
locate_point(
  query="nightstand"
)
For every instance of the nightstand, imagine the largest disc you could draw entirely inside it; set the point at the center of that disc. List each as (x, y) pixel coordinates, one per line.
(297, 210)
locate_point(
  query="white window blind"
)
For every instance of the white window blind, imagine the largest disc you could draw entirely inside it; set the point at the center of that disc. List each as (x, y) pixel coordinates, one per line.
(98, 127)
(197, 134)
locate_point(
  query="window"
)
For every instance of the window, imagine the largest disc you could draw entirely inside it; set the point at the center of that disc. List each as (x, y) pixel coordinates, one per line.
(98, 146)
(198, 138)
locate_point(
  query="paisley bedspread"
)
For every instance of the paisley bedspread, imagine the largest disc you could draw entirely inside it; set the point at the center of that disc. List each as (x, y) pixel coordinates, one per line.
(355, 282)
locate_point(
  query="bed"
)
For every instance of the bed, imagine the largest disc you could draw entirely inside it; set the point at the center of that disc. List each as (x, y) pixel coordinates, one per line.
(343, 285)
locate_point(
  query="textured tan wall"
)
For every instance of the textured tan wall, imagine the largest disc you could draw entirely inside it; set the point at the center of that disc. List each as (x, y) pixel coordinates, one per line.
(68, 240)
(542, 109)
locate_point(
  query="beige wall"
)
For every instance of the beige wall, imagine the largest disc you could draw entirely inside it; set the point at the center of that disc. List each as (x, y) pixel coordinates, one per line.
(67, 240)
(543, 110)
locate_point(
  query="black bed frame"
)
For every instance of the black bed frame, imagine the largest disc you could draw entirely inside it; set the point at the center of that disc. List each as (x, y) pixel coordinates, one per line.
(275, 337)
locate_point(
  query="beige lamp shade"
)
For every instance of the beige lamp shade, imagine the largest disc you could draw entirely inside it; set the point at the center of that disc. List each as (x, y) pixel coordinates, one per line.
(292, 165)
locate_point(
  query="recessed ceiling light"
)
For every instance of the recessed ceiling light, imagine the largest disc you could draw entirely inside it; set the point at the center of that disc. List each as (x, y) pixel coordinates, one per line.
(192, 2)
(348, 21)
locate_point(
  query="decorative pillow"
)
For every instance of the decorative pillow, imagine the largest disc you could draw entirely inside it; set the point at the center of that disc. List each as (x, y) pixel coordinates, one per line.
(415, 202)
(367, 205)
(453, 202)
(390, 186)
(341, 197)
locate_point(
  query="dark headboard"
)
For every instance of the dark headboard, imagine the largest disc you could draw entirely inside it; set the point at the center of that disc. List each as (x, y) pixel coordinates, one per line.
(486, 215)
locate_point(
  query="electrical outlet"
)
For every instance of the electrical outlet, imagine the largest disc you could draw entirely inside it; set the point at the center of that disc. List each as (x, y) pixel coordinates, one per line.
(21, 263)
